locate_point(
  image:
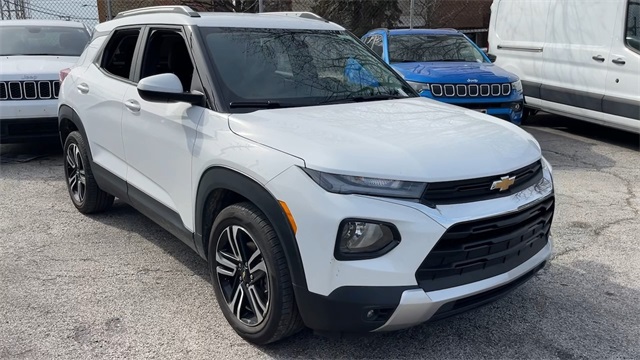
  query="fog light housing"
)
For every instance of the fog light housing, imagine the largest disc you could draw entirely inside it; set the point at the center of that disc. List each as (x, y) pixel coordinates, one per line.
(517, 107)
(365, 239)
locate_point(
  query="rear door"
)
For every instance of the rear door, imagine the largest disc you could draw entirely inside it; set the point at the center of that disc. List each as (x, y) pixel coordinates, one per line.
(576, 56)
(621, 104)
(100, 92)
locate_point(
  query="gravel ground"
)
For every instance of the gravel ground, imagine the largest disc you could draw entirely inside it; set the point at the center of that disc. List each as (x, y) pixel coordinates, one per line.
(116, 285)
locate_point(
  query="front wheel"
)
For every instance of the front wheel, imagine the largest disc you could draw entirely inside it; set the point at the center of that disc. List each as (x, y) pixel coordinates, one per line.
(250, 276)
(85, 193)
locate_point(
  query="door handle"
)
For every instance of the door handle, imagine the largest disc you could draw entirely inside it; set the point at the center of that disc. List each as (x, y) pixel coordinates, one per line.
(598, 58)
(619, 61)
(132, 105)
(83, 88)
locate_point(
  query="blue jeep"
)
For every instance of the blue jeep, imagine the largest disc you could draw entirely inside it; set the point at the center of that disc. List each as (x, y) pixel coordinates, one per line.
(445, 65)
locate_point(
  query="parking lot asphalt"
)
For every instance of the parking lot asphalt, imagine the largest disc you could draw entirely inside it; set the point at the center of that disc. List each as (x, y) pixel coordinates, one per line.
(116, 285)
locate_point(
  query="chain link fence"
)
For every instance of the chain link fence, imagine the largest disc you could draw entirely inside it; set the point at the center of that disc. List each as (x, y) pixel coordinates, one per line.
(359, 16)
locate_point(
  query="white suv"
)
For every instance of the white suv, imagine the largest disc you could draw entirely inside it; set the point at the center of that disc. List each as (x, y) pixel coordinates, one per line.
(321, 189)
(32, 55)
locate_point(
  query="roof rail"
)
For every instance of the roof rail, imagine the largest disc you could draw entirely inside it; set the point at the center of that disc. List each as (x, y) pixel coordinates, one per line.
(174, 9)
(302, 14)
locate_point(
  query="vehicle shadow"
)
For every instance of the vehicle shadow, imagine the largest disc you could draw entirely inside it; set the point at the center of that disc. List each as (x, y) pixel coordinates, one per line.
(25, 152)
(555, 315)
(125, 217)
(586, 129)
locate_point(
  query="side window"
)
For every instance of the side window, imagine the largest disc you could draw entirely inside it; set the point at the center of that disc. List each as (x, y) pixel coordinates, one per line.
(367, 40)
(376, 44)
(632, 37)
(167, 52)
(117, 56)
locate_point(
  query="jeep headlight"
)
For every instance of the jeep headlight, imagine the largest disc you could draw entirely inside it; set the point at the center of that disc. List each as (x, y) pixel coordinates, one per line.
(349, 184)
(517, 86)
(419, 87)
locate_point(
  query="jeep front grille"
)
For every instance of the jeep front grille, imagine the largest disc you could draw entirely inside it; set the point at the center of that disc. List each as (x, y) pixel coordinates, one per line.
(29, 90)
(470, 90)
(480, 249)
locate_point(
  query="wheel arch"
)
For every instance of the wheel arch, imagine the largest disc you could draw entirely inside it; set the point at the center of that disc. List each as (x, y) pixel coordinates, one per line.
(219, 187)
(68, 121)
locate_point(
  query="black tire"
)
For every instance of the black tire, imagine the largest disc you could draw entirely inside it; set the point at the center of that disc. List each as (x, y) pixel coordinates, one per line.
(527, 114)
(87, 198)
(281, 318)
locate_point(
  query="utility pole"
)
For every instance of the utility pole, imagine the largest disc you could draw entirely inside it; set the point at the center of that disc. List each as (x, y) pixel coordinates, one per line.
(260, 5)
(109, 16)
(411, 14)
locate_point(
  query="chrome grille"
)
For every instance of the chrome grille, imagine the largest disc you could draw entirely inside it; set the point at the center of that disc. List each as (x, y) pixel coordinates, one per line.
(470, 90)
(29, 90)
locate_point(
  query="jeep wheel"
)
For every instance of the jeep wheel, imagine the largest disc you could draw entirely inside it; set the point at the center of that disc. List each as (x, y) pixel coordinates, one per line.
(83, 189)
(250, 276)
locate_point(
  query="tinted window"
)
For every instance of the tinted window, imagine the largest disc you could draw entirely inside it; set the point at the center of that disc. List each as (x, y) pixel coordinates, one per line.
(42, 40)
(376, 44)
(117, 57)
(297, 67)
(425, 48)
(633, 25)
(166, 52)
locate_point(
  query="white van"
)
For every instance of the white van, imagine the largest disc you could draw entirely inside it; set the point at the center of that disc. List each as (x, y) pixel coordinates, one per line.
(578, 58)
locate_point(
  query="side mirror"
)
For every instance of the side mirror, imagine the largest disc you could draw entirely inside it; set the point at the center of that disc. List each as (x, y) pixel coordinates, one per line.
(492, 57)
(167, 88)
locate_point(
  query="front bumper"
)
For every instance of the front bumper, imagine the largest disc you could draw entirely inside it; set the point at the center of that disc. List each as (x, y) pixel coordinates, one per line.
(28, 120)
(417, 306)
(507, 108)
(28, 130)
(384, 293)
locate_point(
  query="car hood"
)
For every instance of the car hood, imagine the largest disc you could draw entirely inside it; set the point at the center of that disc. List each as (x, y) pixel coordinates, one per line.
(42, 67)
(415, 139)
(454, 72)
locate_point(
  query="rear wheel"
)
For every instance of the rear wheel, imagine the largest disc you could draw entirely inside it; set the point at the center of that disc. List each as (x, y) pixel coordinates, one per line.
(85, 194)
(250, 276)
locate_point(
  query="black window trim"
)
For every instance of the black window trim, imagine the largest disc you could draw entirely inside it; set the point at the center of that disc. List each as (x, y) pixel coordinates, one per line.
(97, 61)
(137, 62)
(626, 25)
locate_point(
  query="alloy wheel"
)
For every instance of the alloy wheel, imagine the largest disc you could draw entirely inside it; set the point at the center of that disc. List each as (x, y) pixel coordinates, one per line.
(242, 275)
(76, 177)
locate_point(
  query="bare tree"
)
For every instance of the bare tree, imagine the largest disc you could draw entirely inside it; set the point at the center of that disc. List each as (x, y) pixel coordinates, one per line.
(237, 5)
(450, 13)
(359, 16)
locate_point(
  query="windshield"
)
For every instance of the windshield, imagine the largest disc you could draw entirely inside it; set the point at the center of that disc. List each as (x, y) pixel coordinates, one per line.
(42, 40)
(426, 48)
(284, 67)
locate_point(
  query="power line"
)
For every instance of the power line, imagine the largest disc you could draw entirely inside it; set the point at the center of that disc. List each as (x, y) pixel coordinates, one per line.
(46, 11)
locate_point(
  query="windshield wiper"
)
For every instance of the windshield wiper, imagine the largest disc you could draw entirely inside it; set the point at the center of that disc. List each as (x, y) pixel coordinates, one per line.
(363, 98)
(259, 104)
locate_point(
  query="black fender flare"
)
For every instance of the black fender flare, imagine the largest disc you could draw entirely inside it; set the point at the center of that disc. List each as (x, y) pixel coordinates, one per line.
(65, 112)
(223, 178)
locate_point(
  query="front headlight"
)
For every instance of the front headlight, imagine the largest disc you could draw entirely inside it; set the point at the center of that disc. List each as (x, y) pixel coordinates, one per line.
(547, 165)
(517, 86)
(419, 87)
(347, 184)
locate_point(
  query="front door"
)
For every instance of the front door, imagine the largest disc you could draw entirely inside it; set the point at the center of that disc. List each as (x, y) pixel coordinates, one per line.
(159, 137)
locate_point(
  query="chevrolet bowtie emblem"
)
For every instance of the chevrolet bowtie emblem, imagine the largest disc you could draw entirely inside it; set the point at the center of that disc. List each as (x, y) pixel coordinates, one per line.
(504, 183)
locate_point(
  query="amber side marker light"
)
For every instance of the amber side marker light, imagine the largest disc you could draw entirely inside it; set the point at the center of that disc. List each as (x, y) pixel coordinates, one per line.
(287, 212)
